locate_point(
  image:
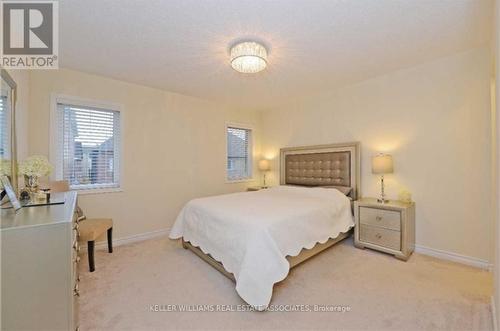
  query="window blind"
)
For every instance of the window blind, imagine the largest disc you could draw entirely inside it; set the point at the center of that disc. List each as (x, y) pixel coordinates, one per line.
(239, 158)
(90, 146)
(5, 128)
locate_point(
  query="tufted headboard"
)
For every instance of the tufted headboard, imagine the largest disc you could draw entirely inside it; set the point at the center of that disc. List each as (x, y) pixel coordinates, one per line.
(323, 165)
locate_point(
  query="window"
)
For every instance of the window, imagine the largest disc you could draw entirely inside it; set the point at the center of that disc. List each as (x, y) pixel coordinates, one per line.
(239, 153)
(4, 127)
(88, 140)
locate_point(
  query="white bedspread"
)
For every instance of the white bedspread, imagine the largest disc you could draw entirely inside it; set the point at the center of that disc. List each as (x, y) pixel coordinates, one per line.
(251, 233)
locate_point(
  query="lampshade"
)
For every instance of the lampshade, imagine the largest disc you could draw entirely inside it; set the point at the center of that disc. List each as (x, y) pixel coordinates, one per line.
(382, 164)
(264, 165)
(248, 57)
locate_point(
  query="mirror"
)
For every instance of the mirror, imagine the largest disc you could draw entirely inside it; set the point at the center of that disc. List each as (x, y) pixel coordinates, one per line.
(8, 151)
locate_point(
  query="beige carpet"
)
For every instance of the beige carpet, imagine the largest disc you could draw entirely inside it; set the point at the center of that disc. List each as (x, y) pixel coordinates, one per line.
(383, 293)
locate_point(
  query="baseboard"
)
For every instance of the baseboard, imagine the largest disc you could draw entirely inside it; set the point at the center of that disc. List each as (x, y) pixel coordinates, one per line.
(131, 239)
(494, 313)
(468, 260)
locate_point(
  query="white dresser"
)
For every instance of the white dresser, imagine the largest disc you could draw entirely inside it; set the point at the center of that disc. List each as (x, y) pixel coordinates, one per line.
(39, 272)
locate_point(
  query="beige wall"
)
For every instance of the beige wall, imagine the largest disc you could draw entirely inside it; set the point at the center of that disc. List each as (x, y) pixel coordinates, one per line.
(496, 103)
(434, 119)
(173, 147)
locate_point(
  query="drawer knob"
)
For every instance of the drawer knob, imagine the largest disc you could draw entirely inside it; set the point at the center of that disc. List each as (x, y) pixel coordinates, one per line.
(378, 236)
(378, 218)
(77, 259)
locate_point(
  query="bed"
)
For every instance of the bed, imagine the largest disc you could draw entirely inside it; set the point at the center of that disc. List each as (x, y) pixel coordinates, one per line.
(255, 238)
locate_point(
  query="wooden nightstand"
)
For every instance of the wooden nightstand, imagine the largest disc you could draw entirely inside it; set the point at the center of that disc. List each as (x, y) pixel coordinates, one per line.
(388, 227)
(256, 188)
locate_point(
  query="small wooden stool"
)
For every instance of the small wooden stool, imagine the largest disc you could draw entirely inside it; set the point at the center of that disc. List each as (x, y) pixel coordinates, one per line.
(90, 230)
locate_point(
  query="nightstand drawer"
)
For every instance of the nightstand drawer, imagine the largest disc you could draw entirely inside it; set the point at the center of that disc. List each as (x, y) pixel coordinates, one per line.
(382, 237)
(380, 217)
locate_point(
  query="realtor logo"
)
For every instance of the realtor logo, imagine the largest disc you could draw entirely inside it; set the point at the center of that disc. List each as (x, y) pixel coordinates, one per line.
(29, 34)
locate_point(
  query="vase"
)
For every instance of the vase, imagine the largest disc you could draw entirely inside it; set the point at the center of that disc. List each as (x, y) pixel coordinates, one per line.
(31, 183)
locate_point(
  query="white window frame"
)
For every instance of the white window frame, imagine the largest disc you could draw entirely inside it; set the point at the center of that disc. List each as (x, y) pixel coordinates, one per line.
(55, 155)
(250, 151)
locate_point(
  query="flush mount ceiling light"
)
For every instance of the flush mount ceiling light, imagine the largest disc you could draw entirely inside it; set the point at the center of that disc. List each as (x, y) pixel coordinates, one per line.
(248, 57)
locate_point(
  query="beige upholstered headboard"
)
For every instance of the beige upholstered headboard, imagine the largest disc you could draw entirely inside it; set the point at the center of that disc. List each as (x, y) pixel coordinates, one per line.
(323, 165)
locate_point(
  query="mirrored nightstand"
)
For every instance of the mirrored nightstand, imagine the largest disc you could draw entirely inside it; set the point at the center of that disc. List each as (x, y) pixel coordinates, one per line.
(387, 227)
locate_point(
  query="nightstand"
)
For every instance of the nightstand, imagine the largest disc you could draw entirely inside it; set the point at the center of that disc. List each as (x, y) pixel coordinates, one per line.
(256, 188)
(388, 227)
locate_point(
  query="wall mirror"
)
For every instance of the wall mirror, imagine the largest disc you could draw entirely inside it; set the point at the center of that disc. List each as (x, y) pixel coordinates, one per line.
(8, 151)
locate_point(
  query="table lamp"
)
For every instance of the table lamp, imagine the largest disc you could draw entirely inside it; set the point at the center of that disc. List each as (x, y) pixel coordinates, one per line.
(382, 164)
(264, 166)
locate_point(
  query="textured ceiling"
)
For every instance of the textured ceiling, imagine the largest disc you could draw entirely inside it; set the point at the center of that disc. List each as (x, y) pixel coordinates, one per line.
(314, 45)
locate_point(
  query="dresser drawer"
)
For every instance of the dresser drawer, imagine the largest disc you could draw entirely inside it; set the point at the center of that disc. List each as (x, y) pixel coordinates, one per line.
(380, 217)
(382, 237)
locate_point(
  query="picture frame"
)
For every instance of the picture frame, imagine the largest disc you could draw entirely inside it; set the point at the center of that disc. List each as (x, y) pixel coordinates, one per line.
(9, 190)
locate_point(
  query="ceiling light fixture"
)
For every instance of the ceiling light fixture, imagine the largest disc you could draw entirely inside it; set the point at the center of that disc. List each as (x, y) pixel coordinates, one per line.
(248, 57)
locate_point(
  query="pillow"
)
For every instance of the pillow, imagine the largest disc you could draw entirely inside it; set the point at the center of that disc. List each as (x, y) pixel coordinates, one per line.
(344, 189)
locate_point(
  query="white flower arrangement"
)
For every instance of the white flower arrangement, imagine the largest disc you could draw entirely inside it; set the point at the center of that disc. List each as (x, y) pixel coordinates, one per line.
(35, 166)
(5, 167)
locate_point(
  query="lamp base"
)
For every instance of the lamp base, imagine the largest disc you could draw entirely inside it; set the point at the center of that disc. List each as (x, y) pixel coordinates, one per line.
(382, 198)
